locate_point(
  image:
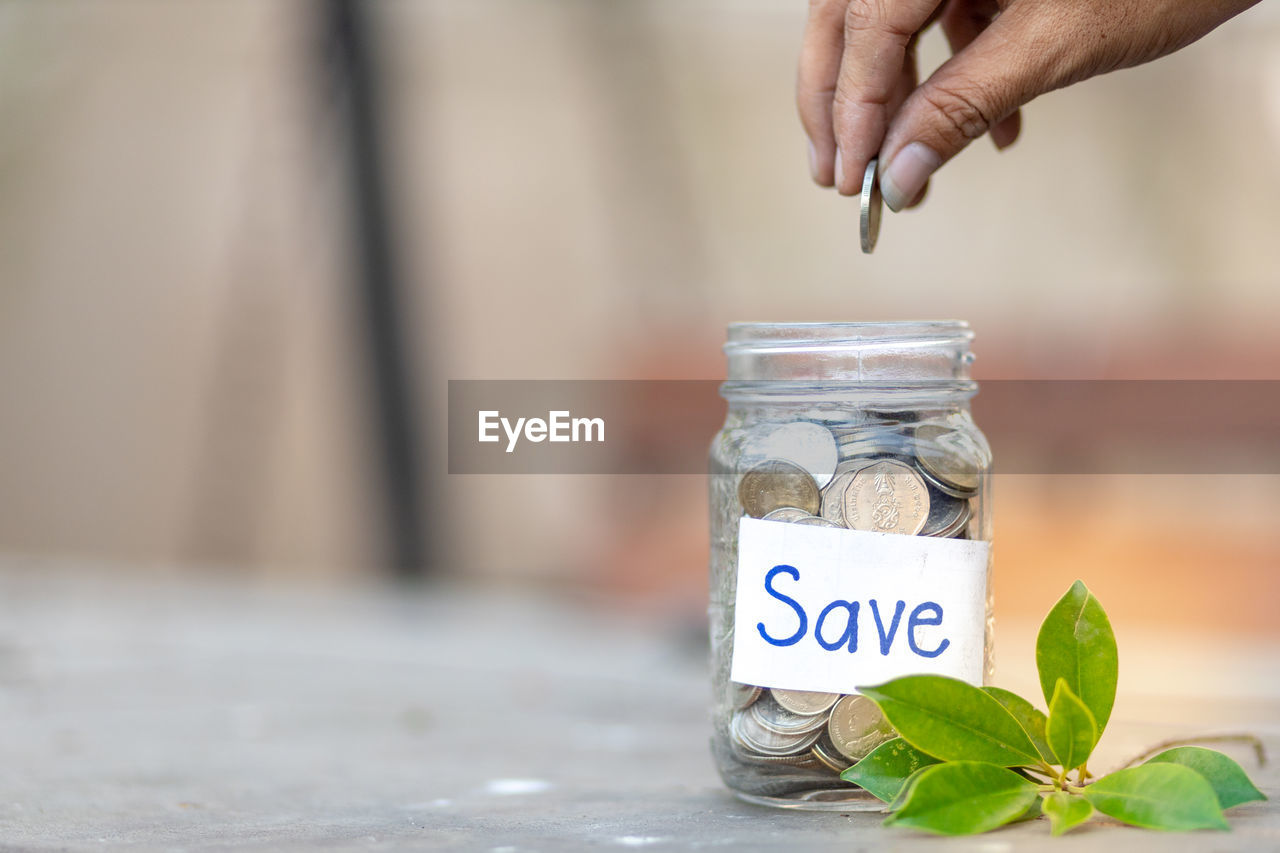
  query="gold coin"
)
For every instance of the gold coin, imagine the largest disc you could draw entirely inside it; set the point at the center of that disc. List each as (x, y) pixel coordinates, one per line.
(804, 701)
(944, 454)
(775, 484)
(856, 727)
(886, 497)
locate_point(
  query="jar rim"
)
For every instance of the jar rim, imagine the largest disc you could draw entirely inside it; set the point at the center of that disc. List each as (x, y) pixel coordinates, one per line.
(892, 353)
(753, 335)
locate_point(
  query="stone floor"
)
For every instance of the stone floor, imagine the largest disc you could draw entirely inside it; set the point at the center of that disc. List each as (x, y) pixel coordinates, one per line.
(203, 714)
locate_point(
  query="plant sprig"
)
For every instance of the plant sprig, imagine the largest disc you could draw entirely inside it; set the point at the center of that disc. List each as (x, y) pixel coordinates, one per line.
(970, 759)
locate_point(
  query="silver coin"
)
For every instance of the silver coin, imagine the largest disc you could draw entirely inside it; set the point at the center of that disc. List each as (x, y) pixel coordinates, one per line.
(874, 442)
(844, 427)
(949, 458)
(819, 521)
(887, 497)
(742, 695)
(869, 223)
(947, 515)
(833, 494)
(787, 513)
(941, 485)
(959, 526)
(776, 718)
(884, 440)
(829, 756)
(803, 759)
(804, 701)
(856, 727)
(747, 731)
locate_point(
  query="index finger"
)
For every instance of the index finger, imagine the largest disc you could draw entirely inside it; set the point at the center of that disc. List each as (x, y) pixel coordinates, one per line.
(877, 34)
(816, 82)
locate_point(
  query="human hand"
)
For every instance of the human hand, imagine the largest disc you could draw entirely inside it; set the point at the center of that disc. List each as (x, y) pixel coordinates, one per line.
(857, 88)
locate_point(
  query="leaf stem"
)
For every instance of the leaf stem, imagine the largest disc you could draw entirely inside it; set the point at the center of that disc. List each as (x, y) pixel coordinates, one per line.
(1075, 789)
(1259, 751)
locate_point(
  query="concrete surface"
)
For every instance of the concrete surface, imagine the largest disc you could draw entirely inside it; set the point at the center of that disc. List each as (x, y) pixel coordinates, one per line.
(199, 715)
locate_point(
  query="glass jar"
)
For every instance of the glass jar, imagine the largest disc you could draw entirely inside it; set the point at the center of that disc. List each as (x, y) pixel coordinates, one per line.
(850, 544)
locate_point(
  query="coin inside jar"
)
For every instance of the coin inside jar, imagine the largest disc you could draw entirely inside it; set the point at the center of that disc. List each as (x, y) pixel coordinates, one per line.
(746, 729)
(804, 701)
(787, 513)
(776, 718)
(943, 456)
(833, 493)
(886, 497)
(775, 484)
(947, 514)
(742, 695)
(874, 441)
(856, 727)
(829, 756)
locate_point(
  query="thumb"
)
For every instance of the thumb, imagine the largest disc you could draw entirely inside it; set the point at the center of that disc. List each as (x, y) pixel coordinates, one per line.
(1008, 64)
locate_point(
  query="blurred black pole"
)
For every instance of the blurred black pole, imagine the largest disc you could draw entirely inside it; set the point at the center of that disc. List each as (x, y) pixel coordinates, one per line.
(350, 42)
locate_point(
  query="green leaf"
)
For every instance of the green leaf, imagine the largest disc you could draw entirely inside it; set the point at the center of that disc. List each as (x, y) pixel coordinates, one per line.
(1033, 811)
(885, 770)
(1228, 779)
(953, 720)
(1072, 730)
(1065, 811)
(1031, 718)
(1158, 796)
(1076, 643)
(964, 797)
(907, 788)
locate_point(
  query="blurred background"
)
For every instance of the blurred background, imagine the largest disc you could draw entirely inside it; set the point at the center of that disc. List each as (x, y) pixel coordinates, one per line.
(244, 244)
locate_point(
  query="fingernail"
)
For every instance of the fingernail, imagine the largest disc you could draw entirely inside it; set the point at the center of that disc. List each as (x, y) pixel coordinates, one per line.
(839, 170)
(813, 161)
(903, 179)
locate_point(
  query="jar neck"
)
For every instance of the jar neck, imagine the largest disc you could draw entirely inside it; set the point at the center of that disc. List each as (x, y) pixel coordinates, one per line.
(891, 364)
(869, 395)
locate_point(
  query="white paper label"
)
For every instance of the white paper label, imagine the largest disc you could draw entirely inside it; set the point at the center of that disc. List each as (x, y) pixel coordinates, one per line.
(829, 610)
